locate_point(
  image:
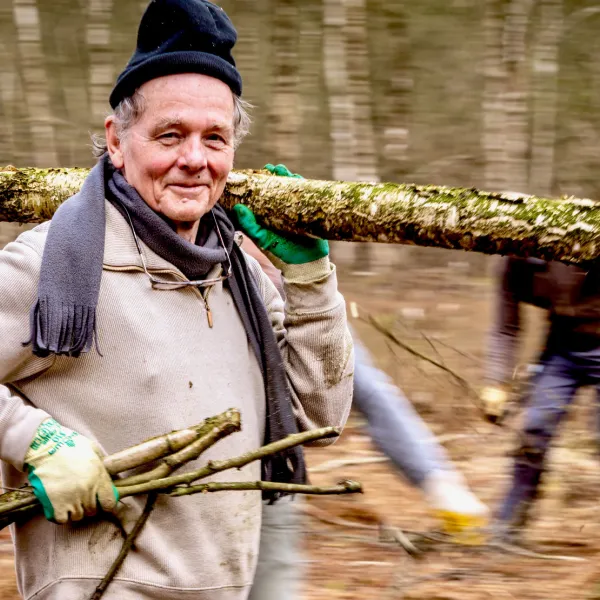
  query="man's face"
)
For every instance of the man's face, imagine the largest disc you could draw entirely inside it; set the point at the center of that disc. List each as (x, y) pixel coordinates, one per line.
(179, 153)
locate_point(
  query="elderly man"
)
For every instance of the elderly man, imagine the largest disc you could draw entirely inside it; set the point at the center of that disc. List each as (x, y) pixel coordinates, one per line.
(143, 315)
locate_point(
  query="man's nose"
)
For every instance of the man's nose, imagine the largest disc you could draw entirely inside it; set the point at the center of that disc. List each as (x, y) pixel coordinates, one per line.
(193, 155)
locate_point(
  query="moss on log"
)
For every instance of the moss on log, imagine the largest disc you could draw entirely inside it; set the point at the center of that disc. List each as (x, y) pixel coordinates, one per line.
(423, 215)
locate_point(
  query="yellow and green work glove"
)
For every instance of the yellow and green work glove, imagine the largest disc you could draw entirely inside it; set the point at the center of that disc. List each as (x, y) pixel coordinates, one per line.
(281, 250)
(67, 474)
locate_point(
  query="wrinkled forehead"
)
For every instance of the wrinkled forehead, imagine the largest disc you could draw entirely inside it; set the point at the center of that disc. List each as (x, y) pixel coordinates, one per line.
(188, 95)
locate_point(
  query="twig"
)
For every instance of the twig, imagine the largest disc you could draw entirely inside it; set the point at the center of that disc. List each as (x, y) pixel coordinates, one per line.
(12, 501)
(395, 534)
(166, 444)
(16, 500)
(468, 355)
(127, 545)
(431, 345)
(167, 483)
(330, 465)
(372, 541)
(344, 487)
(512, 549)
(208, 432)
(394, 338)
(328, 519)
(168, 464)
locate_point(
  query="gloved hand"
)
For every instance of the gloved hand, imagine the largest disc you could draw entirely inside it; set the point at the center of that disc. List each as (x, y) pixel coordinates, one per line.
(495, 401)
(67, 474)
(461, 512)
(281, 250)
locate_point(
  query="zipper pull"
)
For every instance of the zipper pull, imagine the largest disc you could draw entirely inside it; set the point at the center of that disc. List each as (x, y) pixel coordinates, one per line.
(209, 315)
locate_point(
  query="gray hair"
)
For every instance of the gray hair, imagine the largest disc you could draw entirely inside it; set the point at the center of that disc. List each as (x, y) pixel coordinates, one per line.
(130, 109)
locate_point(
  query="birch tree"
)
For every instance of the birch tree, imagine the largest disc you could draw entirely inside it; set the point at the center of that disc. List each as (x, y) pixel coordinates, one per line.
(348, 86)
(505, 96)
(284, 106)
(545, 95)
(35, 81)
(101, 73)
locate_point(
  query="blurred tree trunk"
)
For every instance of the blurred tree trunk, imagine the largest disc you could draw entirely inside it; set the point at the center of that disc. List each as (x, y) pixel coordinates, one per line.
(252, 54)
(284, 105)
(348, 78)
(68, 88)
(545, 95)
(8, 76)
(35, 82)
(341, 110)
(505, 136)
(101, 71)
(505, 99)
(390, 54)
(339, 100)
(362, 92)
(515, 56)
(314, 131)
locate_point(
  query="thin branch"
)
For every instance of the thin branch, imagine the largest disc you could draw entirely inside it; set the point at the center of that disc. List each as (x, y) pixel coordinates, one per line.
(396, 340)
(330, 465)
(164, 445)
(344, 487)
(127, 545)
(232, 463)
(217, 431)
(22, 504)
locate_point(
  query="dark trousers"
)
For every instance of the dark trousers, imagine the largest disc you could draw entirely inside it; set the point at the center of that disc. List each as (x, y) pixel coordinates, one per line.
(552, 391)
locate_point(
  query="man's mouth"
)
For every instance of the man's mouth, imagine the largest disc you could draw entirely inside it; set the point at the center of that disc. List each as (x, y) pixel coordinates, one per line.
(187, 188)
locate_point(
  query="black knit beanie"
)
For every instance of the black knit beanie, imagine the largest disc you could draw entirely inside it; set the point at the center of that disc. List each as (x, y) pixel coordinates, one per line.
(180, 36)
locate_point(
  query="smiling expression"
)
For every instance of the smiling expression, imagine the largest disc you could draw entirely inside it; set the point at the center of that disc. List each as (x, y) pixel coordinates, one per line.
(178, 154)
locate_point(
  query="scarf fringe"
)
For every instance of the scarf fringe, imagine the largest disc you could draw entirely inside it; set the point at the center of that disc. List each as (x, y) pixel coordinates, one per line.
(61, 328)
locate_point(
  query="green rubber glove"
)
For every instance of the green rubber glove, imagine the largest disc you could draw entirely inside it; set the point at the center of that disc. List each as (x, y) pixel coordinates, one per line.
(297, 250)
(290, 250)
(281, 171)
(67, 474)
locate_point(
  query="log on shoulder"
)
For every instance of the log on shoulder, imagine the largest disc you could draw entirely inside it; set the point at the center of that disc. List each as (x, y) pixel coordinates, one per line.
(423, 215)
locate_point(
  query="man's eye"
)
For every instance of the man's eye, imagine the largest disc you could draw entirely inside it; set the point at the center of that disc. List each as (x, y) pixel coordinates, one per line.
(170, 135)
(215, 137)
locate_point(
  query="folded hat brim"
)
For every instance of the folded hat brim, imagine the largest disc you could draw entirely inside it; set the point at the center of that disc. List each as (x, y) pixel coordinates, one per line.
(173, 63)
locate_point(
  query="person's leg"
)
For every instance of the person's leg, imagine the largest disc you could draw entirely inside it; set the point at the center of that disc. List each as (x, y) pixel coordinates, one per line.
(279, 569)
(597, 423)
(590, 364)
(552, 391)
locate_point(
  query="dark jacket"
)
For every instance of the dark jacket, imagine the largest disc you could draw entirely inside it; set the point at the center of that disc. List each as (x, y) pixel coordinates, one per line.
(569, 293)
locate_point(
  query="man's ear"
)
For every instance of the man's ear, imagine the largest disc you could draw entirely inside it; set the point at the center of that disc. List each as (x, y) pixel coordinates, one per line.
(113, 143)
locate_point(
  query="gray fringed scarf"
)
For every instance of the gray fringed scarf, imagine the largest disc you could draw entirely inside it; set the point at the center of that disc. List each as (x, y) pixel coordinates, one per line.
(63, 319)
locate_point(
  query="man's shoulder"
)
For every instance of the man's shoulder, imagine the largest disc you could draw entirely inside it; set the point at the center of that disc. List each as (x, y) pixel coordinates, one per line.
(35, 238)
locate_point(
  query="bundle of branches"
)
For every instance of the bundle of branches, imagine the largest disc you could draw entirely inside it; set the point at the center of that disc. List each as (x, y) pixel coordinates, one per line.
(402, 213)
(169, 452)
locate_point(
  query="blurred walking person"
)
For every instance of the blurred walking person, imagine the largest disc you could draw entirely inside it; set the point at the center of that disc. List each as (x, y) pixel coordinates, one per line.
(570, 359)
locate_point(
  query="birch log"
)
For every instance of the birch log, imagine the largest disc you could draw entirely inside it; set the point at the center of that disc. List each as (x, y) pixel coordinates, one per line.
(423, 215)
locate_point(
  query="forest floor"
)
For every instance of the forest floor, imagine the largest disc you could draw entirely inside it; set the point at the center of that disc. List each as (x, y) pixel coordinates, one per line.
(442, 313)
